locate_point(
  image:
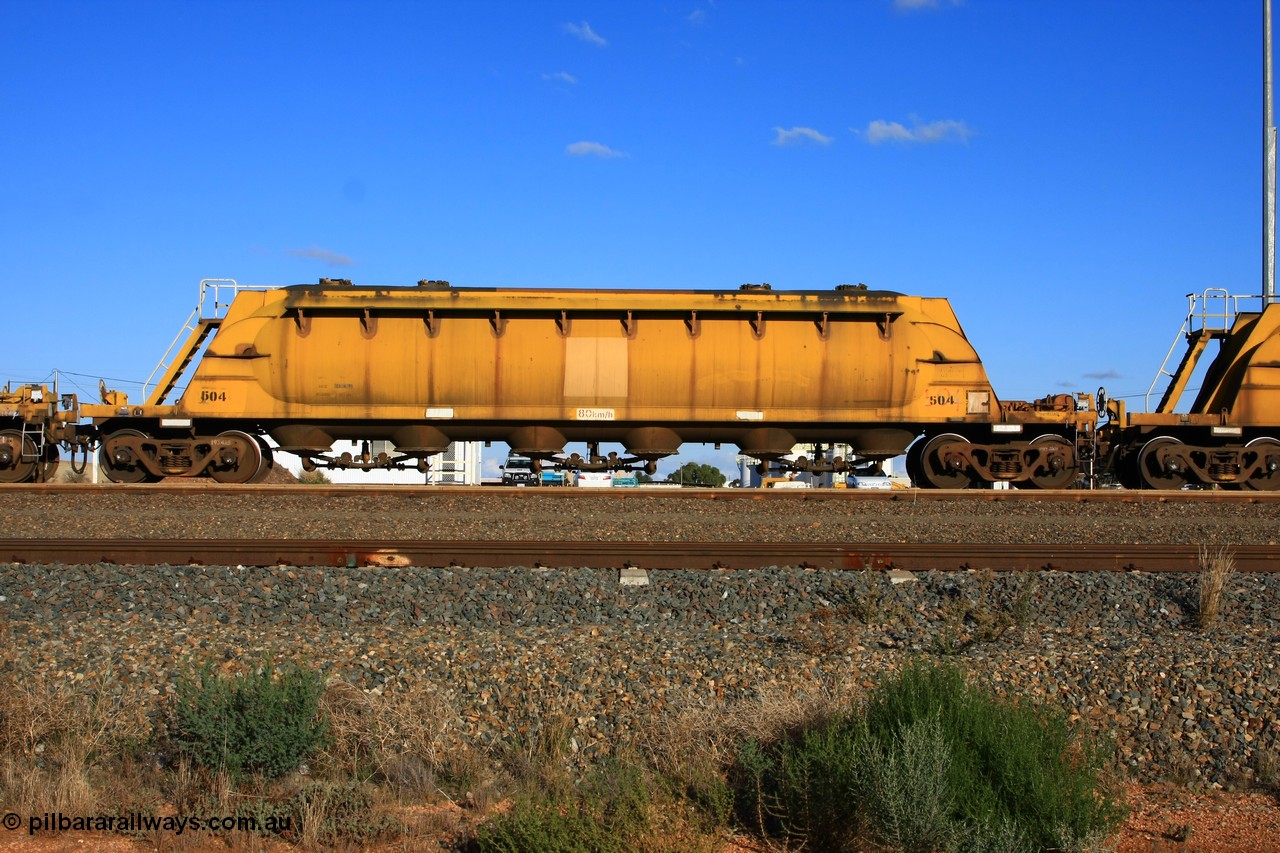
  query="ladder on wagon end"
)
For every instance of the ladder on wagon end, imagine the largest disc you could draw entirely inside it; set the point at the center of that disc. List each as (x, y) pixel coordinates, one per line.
(220, 292)
(1209, 317)
(32, 431)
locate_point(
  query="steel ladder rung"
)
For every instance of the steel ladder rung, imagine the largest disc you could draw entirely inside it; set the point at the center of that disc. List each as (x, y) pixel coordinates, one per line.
(37, 441)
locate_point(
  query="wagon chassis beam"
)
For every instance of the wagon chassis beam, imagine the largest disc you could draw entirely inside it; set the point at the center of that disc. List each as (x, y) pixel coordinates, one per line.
(366, 461)
(593, 461)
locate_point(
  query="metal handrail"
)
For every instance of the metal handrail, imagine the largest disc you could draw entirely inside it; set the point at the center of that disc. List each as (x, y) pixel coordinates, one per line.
(219, 286)
(221, 302)
(1213, 310)
(1218, 308)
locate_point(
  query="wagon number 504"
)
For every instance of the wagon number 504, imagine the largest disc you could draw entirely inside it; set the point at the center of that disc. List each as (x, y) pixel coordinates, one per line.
(213, 396)
(942, 400)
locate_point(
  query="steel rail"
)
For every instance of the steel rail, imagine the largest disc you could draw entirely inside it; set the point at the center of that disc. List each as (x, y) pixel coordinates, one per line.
(200, 487)
(617, 555)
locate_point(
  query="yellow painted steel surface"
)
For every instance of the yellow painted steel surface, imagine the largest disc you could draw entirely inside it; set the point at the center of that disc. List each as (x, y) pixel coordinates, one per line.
(1244, 379)
(555, 356)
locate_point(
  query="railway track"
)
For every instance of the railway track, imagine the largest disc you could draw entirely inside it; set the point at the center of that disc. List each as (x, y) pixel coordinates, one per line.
(618, 555)
(179, 487)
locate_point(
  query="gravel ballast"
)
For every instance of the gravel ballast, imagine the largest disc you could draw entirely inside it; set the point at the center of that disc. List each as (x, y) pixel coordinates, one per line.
(506, 646)
(571, 515)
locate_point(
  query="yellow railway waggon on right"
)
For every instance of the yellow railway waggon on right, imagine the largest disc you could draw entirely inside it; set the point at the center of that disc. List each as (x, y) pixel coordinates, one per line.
(1230, 435)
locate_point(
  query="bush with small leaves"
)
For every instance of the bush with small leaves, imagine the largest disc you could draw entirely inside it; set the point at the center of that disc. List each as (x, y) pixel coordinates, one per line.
(263, 722)
(609, 812)
(904, 786)
(929, 762)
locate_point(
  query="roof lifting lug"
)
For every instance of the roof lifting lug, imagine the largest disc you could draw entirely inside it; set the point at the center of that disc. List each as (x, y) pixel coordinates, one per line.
(693, 324)
(886, 327)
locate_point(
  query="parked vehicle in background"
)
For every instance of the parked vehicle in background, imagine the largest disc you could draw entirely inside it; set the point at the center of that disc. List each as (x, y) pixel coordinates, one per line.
(594, 479)
(869, 481)
(518, 471)
(783, 483)
(874, 476)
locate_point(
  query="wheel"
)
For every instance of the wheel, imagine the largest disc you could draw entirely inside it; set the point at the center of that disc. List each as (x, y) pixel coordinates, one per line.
(1265, 447)
(934, 474)
(1045, 476)
(913, 462)
(268, 463)
(238, 458)
(49, 464)
(17, 457)
(1152, 474)
(128, 470)
(1125, 469)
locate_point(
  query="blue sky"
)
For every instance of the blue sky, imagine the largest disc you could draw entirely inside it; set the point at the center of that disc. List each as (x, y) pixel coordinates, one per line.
(1064, 172)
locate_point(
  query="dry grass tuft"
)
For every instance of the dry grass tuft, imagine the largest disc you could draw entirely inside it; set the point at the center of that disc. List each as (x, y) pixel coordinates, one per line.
(1216, 568)
(409, 740)
(56, 736)
(694, 747)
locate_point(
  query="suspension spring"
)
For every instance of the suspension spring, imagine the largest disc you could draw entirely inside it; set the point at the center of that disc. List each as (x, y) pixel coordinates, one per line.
(1002, 467)
(1224, 470)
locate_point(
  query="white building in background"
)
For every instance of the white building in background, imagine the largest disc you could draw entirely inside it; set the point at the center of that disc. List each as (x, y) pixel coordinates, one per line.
(459, 465)
(895, 467)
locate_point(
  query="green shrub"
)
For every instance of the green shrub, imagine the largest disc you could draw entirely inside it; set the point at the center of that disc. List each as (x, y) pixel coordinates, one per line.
(610, 811)
(904, 786)
(264, 722)
(1013, 763)
(930, 763)
(801, 788)
(544, 827)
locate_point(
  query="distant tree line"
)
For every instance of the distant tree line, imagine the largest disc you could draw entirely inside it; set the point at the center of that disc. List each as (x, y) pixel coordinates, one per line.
(693, 474)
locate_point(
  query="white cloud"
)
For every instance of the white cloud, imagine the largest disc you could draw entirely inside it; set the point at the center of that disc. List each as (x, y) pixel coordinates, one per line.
(913, 5)
(697, 16)
(584, 32)
(592, 149)
(562, 76)
(885, 131)
(1109, 373)
(315, 253)
(946, 130)
(796, 135)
